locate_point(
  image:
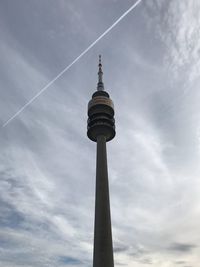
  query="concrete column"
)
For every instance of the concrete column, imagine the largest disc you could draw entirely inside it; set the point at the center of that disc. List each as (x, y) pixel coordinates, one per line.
(103, 248)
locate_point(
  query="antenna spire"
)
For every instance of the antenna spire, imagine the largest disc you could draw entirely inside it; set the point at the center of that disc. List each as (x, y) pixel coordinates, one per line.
(100, 85)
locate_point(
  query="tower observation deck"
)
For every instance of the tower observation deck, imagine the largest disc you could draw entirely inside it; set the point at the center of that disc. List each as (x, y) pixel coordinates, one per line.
(101, 129)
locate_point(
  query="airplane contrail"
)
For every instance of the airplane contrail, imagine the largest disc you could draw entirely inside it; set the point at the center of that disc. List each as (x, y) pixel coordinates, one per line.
(71, 64)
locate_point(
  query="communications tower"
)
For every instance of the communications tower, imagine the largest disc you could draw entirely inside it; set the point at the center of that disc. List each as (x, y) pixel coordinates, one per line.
(101, 129)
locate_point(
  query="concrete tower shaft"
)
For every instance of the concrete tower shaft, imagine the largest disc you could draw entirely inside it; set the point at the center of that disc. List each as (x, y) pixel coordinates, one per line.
(101, 128)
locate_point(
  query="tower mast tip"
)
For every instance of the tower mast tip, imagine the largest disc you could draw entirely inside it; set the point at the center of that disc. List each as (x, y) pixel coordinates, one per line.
(99, 59)
(100, 85)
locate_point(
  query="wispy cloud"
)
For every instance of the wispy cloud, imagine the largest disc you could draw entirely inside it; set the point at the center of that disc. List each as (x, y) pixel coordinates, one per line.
(47, 165)
(176, 24)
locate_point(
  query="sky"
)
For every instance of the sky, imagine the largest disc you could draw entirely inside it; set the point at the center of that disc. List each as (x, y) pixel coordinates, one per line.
(47, 164)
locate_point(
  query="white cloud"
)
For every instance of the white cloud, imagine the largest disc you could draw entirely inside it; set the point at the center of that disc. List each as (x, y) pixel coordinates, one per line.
(48, 165)
(176, 24)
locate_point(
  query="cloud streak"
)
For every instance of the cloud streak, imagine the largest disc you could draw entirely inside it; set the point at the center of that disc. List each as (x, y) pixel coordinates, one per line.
(47, 165)
(176, 23)
(71, 64)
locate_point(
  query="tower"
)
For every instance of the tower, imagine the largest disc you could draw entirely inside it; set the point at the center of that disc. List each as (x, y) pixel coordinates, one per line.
(101, 129)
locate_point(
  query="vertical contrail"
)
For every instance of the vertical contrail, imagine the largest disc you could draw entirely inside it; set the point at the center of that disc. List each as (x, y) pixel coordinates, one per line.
(71, 64)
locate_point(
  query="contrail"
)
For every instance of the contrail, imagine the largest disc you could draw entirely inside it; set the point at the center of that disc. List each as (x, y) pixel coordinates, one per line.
(71, 64)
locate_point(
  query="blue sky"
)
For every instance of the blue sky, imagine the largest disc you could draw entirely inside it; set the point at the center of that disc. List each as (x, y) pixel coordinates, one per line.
(47, 165)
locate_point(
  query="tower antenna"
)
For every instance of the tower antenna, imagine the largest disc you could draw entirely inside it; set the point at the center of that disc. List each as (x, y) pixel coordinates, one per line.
(100, 85)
